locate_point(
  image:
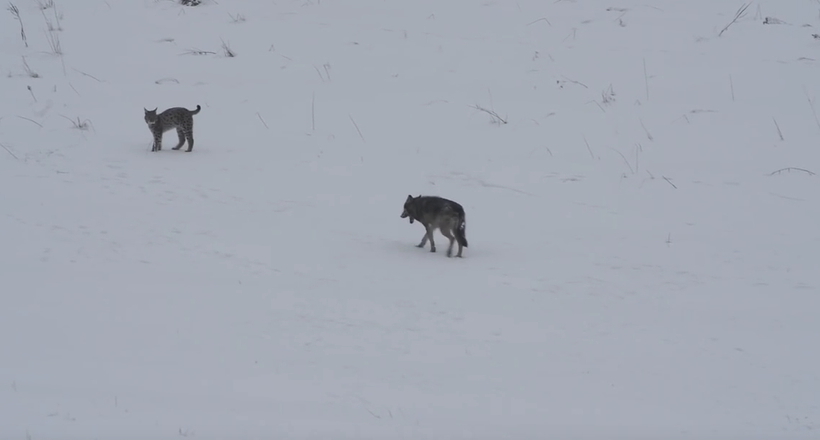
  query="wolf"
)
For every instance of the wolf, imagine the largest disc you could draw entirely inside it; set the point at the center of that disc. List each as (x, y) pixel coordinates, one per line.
(437, 212)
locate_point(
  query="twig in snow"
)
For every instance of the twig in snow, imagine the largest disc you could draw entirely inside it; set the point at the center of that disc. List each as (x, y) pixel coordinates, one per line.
(790, 169)
(226, 50)
(326, 66)
(357, 127)
(263, 121)
(608, 95)
(45, 4)
(238, 18)
(811, 104)
(9, 151)
(198, 52)
(625, 161)
(646, 79)
(588, 148)
(51, 27)
(90, 76)
(54, 43)
(30, 120)
(496, 119)
(648, 134)
(30, 73)
(80, 125)
(779, 133)
(319, 73)
(16, 13)
(596, 103)
(669, 182)
(741, 12)
(574, 82)
(540, 19)
(32, 93)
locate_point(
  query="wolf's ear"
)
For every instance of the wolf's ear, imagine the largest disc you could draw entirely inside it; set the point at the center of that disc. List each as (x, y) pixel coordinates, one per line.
(409, 197)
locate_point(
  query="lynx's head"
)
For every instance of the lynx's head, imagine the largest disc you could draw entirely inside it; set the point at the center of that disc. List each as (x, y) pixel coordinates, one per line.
(150, 116)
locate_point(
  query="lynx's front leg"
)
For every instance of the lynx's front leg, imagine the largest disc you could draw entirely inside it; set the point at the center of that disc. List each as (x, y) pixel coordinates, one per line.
(157, 142)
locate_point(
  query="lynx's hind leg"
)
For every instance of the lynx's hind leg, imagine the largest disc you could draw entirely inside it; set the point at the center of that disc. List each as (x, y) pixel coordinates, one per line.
(190, 136)
(181, 135)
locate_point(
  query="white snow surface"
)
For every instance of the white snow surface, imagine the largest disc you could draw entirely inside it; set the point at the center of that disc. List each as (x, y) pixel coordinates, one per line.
(636, 269)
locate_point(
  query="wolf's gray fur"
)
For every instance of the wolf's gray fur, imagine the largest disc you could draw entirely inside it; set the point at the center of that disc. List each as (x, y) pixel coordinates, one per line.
(438, 213)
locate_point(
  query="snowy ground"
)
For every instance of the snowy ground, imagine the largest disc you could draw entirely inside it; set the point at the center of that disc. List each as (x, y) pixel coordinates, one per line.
(635, 269)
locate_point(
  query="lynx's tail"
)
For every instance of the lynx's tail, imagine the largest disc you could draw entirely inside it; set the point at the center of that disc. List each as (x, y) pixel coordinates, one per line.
(198, 108)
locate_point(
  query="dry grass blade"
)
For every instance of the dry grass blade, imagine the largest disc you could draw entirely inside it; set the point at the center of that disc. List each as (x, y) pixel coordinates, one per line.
(198, 52)
(16, 13)
(738, 15)
(779, 133)
(790, 169)
(357, 128)
(496, 119)
(227, 51)
(82, 125)
(30, 73)
(9, 151)
(31, 120)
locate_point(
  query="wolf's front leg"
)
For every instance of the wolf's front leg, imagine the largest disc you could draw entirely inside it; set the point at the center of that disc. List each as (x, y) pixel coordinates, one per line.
(423, 240)
(429, 236)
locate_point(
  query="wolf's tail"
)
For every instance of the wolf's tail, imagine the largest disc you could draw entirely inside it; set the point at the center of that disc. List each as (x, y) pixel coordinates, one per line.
(198, 108)
(461, 232)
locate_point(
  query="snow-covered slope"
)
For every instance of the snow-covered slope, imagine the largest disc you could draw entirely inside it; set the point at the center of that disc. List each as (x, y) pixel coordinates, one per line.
(638, 267)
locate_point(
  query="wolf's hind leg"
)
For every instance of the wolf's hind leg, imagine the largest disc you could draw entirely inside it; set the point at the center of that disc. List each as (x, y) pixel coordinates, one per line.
(446, 232)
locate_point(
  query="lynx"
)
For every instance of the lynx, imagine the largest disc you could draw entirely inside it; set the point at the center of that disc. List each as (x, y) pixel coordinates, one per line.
(177, 117)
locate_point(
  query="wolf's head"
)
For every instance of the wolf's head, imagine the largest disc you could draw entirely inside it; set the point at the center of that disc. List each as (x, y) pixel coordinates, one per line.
(150, 116)
(408, 209)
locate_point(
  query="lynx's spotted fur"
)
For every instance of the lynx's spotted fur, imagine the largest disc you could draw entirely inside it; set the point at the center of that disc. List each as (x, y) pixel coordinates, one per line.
(177, 117)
